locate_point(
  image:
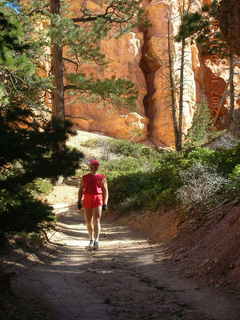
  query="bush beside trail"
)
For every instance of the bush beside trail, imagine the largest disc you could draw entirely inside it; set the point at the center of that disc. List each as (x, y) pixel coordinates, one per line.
(147, 179)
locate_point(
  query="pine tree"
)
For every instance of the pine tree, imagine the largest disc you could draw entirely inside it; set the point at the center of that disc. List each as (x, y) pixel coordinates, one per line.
(77, 39)
(177, 105)
(203, 27)
(27, 139)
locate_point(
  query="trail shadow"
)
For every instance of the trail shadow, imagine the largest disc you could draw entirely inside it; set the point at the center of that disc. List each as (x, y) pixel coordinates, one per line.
(124, 271)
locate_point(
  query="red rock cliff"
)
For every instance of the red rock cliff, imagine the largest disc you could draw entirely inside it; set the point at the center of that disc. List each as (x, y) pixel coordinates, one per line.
(142, 57)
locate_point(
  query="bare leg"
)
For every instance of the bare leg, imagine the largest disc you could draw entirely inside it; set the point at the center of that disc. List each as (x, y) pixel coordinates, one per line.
(97, 213)
(89, 222)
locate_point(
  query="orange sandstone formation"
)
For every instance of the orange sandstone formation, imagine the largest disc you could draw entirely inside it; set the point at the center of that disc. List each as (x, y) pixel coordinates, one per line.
(142, 57)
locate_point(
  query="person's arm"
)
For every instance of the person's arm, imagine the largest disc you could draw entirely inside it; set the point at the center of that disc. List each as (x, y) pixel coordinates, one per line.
(105, 192)
(80, 195)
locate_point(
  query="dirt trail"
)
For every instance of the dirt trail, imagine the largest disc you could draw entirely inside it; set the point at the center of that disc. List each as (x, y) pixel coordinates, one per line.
(126, 279)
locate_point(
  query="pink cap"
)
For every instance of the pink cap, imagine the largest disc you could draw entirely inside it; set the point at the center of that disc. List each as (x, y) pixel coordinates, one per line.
(94, 162)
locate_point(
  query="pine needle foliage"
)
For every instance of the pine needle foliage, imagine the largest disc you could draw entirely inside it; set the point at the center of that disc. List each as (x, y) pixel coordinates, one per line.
(29, 140)
(203, 27)
(200, 132)
(77, 40)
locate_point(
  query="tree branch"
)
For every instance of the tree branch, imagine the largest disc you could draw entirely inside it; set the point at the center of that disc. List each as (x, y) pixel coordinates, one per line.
(104, 16)
(73, 62)
(38, 10)
(70, 86)
(108, 16)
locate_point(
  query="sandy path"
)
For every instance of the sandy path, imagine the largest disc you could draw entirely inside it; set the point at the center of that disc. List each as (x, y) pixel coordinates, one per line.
(126, 279)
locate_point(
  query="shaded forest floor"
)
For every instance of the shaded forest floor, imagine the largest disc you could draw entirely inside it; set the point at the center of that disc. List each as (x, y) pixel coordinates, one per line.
(131, 276)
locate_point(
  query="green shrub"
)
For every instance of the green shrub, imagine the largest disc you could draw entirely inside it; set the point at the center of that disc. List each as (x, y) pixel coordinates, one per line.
(131, 149)
(201, 186)
(144, 179)
(235, 173)
(232, 189)
(203, 155)
(138, 184)
(25, 211)
(200, 133)
(40, 186)
(124, 147)
(91, 143)
(226, 160)
(196, 178)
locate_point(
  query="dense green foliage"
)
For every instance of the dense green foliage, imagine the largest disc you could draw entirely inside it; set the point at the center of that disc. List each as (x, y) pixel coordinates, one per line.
(10, 35)
(128, 149)
(120, 92)
(200, 133)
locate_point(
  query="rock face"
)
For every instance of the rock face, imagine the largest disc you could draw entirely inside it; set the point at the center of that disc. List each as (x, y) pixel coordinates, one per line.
(230, 23)
(155, 66)
(123, 56)
(142, 56)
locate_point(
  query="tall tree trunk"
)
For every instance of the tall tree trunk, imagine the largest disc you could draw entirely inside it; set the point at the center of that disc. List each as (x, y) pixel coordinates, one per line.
(57, 67)
(181, 96)
(232, 89)
(221, 104)
(58, 107)
(172, 86)
(184, 8)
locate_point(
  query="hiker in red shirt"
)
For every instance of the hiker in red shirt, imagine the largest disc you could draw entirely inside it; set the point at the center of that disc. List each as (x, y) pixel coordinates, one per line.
(93, 197)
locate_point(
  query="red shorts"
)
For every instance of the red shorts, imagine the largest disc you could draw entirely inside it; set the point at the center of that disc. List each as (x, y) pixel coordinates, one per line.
(92, 200)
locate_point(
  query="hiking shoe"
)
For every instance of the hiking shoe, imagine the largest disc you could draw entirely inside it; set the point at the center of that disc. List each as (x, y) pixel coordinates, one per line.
(90, 246)
(96, 245)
